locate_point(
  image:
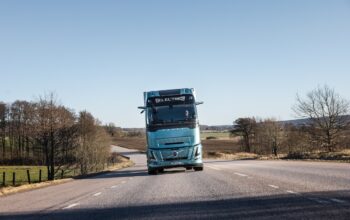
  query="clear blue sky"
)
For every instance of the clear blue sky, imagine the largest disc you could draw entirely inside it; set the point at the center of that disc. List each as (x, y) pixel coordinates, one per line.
(245, 58)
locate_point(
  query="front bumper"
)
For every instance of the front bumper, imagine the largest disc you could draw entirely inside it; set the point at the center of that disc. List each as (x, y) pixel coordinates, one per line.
(161, 158)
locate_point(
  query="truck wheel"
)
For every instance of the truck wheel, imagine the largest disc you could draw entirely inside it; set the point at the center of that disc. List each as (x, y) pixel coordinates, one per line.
(198, 168)
(189, 168)
(161, 170)
(152, 171)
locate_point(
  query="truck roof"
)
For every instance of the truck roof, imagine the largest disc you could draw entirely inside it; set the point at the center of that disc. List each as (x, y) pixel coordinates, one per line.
(169, 92)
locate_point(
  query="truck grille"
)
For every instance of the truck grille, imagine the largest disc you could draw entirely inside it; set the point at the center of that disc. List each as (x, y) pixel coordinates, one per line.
(175, 154)
(174, 159)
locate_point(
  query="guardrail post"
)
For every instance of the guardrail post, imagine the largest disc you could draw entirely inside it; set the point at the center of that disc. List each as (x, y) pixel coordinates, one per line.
(14, 179)
(62, 174)
(40, 176)
(3, 178)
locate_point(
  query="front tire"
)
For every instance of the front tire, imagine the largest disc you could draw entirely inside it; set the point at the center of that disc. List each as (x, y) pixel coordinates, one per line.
(152, 171)
(198, 168)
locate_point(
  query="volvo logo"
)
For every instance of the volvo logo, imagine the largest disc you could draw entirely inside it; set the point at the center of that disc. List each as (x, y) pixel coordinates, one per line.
(175, 153)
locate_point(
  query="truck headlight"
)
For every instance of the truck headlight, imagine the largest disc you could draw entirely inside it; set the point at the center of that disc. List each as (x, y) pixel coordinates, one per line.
(151, 155)
(197, 153)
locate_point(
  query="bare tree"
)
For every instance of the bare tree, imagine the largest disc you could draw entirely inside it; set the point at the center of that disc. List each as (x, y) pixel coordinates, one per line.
(44, 132)
(66, 136)
(111, 129)
(3, 125)
(94, 143)
(296, 139)
(327, 112)
(86, 130)
(48, 125)
(269, 136)
(245, 127)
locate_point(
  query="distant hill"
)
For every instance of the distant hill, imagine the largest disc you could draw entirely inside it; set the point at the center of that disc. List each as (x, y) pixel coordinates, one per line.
(295, 122)
(300, 122)
(216, 127)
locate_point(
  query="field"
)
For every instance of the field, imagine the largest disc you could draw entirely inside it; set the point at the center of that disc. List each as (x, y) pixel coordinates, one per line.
(21, 174)
(215, 135)
(229, 148)
(224, 145)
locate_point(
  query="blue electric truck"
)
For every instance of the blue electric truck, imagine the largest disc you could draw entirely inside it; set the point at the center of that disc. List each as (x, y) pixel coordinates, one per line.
(172, 130)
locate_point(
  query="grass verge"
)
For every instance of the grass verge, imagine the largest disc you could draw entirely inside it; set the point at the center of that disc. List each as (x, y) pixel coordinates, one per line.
(4, 191)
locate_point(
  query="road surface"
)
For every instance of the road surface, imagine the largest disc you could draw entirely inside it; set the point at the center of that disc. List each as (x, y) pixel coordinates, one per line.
(224, 190)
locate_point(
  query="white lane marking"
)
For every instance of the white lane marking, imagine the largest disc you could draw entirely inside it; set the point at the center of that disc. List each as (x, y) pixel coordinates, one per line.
(214, 168)
(292, 192)
(273, 186)
(338, 201)
(241, 174)
(97, 194)
(113, 187)
(320, 201)
(123, 182)
(71, 206)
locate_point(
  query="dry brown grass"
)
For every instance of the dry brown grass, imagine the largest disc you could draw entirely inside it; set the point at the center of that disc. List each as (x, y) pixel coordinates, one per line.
(340, 156)
(131, 143)
(222, 146)
(11, 190)
(231, 156)
(230, 149)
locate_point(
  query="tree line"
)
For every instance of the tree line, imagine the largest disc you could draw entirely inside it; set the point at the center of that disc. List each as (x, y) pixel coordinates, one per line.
(44, 132)
(325, 126)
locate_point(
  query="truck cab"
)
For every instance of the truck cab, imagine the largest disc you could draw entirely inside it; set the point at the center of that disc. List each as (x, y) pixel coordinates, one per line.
(172, 130)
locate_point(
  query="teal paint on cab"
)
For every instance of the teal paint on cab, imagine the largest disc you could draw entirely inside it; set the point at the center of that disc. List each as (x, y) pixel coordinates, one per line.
(172, 130)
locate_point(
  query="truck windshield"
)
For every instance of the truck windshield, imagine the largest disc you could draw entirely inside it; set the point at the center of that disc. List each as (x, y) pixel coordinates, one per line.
(171, 114)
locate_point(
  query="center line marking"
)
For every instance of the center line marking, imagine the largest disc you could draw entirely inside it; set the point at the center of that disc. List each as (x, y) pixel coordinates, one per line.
(273, 186)
(338, 201)
(113, 187)
(97, 194)
(71, 206)
(241, 174)
(319, 200)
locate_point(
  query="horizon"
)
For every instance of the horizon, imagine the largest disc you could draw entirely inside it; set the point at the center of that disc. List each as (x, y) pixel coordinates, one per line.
(244, 58)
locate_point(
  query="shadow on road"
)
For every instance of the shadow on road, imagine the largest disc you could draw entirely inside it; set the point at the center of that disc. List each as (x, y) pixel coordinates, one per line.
(270, 207)
(123, 173)
(132, 173)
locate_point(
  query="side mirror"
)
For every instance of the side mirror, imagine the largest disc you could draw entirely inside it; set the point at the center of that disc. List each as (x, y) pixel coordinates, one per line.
(143, 108)
(199, 103)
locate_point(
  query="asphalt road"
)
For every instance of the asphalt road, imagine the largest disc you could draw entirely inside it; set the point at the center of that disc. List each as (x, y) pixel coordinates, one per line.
(224, 190)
